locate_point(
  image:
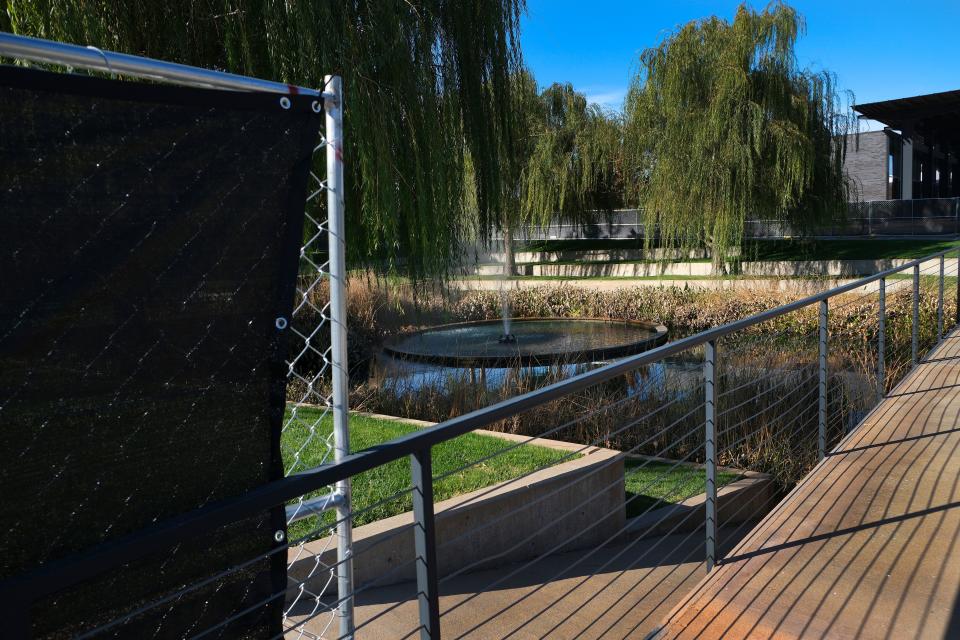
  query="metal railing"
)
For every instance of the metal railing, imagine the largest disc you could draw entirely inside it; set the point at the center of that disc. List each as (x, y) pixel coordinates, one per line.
(877, 218)
(113, 63)
(710, 417)
(873, 218)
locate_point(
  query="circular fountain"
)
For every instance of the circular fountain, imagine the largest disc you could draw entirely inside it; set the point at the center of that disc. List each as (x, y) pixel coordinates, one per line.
(527, 342)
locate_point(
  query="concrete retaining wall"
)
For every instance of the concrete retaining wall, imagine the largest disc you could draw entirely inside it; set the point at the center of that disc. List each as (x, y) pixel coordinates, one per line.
(744, 500)
(840, 268)
(830, 268)
(565, 255)
(622, 269)
(384, 550)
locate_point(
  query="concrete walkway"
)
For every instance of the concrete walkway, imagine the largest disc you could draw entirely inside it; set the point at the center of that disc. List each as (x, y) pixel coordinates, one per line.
(868, 546)
(793, 286)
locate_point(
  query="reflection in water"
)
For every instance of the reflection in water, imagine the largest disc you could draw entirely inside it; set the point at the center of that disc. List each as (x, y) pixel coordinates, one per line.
(670, 378)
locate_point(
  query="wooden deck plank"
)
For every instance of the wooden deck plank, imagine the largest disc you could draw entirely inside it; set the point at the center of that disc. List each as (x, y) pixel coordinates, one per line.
(867, 546)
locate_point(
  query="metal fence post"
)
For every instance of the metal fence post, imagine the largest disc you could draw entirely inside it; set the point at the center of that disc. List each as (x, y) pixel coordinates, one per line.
(822, 394)
(425, 541)
(940, 301)
(336, 226)
(915, 324)
(710, 449)
(881, 341)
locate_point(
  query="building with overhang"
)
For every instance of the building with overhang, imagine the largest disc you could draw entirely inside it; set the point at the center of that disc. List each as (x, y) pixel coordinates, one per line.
(916, 155)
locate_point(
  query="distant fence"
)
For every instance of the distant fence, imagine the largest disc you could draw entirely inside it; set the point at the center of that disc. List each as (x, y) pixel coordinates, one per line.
(930, 216)
(925, 217)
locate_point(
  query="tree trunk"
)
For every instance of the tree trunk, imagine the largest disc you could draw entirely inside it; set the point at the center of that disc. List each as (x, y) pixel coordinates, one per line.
(509, 261)
(717, 259)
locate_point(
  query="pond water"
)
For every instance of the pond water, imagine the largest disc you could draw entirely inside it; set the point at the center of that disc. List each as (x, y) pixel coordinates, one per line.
(667, 378)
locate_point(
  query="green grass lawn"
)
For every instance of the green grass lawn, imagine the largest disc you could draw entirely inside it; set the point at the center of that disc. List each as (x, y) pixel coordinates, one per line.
(865, 249)
(928, 281)
(655, 484)
(650, 484)
(384, 481)
(780, 249)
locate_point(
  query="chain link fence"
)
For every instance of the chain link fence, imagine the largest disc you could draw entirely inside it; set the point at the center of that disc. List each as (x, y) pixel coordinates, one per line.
(316, 377)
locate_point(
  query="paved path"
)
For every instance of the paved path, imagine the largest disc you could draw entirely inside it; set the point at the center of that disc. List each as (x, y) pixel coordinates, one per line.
(790, 285)
(868, 546)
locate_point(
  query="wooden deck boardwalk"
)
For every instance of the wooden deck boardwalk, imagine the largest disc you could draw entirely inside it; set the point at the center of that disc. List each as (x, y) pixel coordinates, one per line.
(867, 546)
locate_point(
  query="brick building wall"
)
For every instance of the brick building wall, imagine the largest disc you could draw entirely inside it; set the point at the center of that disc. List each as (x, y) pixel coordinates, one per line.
(866, 164)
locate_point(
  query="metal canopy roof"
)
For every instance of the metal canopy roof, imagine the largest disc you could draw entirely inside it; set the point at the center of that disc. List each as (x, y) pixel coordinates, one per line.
(934, 115)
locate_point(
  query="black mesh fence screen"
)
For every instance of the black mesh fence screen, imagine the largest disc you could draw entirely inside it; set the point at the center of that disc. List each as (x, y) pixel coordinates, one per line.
(150, 239)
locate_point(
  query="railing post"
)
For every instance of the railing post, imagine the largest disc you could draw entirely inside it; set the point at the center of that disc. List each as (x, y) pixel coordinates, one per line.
(957, 310)
(822, 392)
(915, 324)
(336, 225)
(425, 542)
(940, 301)
(710, 449)
(881, 341)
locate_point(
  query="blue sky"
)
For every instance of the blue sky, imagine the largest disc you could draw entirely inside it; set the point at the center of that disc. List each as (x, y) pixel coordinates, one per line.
(879, 49)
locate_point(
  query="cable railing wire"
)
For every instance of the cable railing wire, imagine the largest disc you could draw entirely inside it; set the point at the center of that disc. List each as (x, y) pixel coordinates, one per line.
(787, 425)
(599, 468)
(607, 408)
(641, 418)
(852, 396)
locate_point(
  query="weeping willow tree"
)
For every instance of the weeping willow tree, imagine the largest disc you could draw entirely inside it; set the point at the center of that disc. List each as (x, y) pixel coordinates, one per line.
(427, 94)
(722, 124)
(564, 162)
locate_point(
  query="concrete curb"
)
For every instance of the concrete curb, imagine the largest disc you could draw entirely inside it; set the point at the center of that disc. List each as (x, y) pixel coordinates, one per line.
(559, 445)
(743, 500)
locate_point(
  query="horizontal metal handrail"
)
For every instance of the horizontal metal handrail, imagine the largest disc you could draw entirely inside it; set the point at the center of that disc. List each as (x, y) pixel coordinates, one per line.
(70, 571)
(92, 58)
